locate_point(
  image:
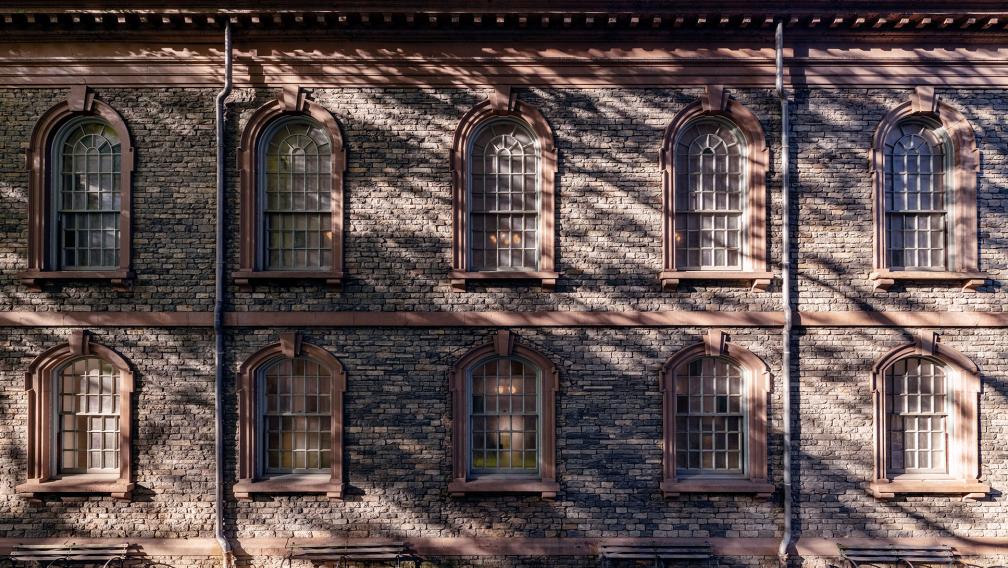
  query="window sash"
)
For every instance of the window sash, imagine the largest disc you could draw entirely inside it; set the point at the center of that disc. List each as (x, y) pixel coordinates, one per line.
(496, 433)
(711, 413)
(87, 416)
(294, 418)
(917, 413)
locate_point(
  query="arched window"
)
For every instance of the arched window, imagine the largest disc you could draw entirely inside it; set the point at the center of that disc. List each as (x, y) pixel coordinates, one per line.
(79, 421)
(504, 198)
(924, 161)
(710, 170)
(926, 404)
(291, 421)
(714, 158)
(916, 205)
(715, 419)
(503, 401)
(81, 172)
(503, 168)
(296, 194)
(292, 163)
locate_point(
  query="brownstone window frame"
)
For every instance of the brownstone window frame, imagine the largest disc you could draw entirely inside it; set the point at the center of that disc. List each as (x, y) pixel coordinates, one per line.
(961, 227)
(251, 479)
(293, 102)
(962, 430)
(757, 381)
(43, 476)
(503, 104)
(81, 102)
(462, 483)
(716, 104)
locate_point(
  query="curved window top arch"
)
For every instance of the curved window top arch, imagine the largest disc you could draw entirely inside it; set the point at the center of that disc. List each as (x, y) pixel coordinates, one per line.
(929, 391)
(503, 167)
(81, 160)
(924, 162)
(504, 420)
(292, 162)
(79, 420)
(288, 392)
(714, 160)
(715, 386)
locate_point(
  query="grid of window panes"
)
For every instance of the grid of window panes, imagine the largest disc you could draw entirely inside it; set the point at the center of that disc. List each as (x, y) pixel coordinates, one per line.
(297, 180)
(915, 181)
(917, 415)
(710, 192)
(710, 417)
(297, 416)
(504, 417)
(87, 196)
(88, 416)
(504, 198)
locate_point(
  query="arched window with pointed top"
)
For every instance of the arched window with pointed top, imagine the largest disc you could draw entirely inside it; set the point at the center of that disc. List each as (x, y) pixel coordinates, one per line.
(926, 413)
(79, 421)
(290, 402)
(504, 439)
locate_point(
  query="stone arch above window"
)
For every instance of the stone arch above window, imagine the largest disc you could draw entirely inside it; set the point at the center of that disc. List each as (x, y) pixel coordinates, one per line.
(505, 394)
(717, 386)
(290, 420)
(926, 415)
(292, 161)
(714, 160)
(924, 163)
(504, 231)
(80, 159)
(79, 421)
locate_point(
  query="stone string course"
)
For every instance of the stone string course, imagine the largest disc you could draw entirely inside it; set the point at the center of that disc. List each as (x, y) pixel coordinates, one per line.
(397, 407)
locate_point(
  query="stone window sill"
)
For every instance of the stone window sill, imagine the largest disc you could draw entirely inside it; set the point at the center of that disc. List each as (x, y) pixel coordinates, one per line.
(93, 484)
(119, 279)
(884, 279)
(968, 490)
(246, 279)
(462, 487)
(673, 488)
(304, 484)
(545, 279)
(670, 279)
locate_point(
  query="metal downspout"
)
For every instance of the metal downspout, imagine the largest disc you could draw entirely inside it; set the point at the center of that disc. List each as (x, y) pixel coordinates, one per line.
(785, 543)
(225, 546)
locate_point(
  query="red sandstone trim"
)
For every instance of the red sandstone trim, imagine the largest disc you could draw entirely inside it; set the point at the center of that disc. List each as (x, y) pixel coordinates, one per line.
(80, 102)
(716, 343)
(293, 101)
(716, 102)
(250, 478)
(462, 484)
(962, 224)
(502, 103)
(42, 476)
(963, 438)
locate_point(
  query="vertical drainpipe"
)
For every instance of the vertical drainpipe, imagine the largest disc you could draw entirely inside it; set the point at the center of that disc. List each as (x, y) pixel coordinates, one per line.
(785, 543)
(226, 552)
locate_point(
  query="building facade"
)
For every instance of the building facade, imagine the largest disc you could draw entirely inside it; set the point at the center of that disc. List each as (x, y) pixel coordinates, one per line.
(504, 282)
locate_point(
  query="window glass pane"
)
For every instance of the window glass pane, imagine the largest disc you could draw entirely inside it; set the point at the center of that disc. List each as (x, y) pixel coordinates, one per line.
(710, 191)
(296, 166)
(296, 416)
(915, 201)
(917, 415)
(710, 420)
(88, 417)
(504, 198)
(86, 188)
(504, 417)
